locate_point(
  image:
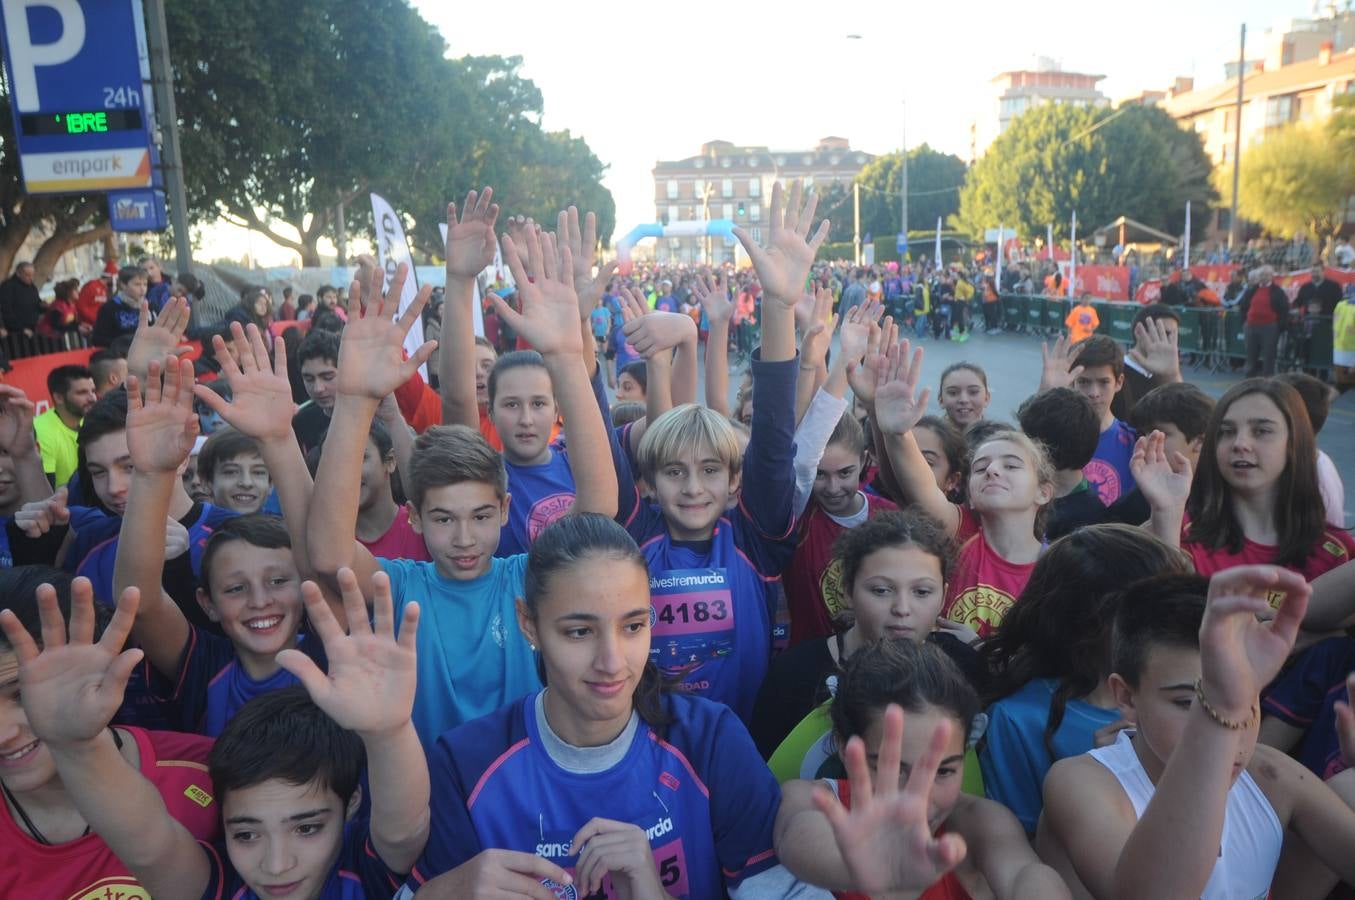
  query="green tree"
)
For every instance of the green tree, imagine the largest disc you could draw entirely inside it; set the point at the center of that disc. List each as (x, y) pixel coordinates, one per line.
(288, 110)
(1058, 159)
(934, 181)
(1295, 181)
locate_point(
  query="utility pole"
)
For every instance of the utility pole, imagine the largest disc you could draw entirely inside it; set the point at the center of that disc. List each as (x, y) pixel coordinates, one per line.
(162, 83)
(903, 189)
(1237, 135)
(856, 220)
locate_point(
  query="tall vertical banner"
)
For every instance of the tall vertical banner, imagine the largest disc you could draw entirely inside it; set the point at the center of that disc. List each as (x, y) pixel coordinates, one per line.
(391, 250)
(1049, 242)
(938, 242)
(1187, 237)
(1072, 260)
(478, 300)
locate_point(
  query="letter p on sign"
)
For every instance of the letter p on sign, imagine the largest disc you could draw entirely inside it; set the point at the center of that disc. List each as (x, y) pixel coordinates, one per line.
(27, 56)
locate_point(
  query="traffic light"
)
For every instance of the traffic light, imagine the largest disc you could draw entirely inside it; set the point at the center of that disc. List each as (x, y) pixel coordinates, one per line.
(742, 210)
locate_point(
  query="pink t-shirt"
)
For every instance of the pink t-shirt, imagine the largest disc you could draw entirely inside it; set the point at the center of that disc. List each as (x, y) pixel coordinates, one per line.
(400, 541)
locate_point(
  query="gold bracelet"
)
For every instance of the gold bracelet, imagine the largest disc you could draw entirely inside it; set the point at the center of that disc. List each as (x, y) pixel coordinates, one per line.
(1226, 723)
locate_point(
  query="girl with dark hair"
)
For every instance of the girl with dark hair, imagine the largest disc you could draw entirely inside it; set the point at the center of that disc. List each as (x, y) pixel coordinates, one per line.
(601, 781)
(1049, 660)
(840, 838)
(1256, 497)
(964, 393)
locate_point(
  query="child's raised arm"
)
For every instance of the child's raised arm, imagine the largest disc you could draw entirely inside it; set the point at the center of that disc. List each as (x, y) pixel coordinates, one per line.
(1239, 655)
(713, 295)
(470, 248)
(898, 407)
(1165, 482)
(16, 439)
(371, 365)
(369, 689)
(70, 690)
(161, 430)
(549, 322)
(814, 352)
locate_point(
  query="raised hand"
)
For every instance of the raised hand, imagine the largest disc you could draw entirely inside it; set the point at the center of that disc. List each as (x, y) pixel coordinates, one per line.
(621, 849)
(159, 340)
(783, 265)
(898, 405)
(372, 361)
(549, 320)
(261, 394)
(713, 295)
(71, 689)
(656, 331)
(1165, 481)
(885, 839)
(1058, 370)
(470, 239)
(161, 428)
(370, 685)
(1155, 349)
(819, 331)
(861, 376)
(16, 422)
(41, 516)
(1239, 652)
(857, 325)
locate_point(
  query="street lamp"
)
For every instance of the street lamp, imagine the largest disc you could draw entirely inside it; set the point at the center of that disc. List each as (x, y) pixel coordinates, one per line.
(903, 163)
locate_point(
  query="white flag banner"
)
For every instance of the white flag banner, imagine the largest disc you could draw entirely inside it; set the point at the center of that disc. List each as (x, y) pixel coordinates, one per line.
(391, 250)
(478, 306)
(938, 244)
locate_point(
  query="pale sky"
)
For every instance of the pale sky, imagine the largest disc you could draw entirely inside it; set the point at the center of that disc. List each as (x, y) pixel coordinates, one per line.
(648, 81)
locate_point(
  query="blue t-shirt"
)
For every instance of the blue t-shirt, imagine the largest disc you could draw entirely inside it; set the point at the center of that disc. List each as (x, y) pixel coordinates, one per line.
(699, 790)
(714, 601)
(94, 549)
(1109, 470)
(212, 685)
(602, 322)
(472, 657)
(358, 872)
(542, 494)
(1305, 696)
(1012, 755)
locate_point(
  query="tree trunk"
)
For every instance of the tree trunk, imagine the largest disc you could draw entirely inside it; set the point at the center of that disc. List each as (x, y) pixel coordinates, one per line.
(56, 246)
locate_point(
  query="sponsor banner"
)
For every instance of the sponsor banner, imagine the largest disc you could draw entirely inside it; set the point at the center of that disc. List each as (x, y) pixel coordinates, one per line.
(87, 170)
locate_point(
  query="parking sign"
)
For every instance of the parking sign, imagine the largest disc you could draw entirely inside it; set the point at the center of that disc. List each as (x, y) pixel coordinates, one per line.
(79, 77)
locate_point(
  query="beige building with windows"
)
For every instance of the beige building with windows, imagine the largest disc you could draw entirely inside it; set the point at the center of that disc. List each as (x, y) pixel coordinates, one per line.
(726, 181)
(1017, 91)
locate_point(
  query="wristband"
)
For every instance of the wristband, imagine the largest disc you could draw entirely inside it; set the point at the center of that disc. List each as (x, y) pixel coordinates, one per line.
(1214, 714)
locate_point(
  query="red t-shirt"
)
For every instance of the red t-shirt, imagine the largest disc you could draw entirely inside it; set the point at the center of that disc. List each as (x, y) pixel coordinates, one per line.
(400, 541)
(813, 581)
(983, 586)
(948, 888)
(85, 868)
(1334, 548)
(92, 295)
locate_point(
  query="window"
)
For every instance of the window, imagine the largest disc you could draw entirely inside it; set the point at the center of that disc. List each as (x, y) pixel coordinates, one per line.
(835, 160)
(807, 159)
(755, 187)
(1280, 110)
(699, 164)
(673, 212)
(755, 212)
(757, 236)
(726, 163)
(727, 211)
(672, 189)
(727, 187)
(780, 160)
(699, 188)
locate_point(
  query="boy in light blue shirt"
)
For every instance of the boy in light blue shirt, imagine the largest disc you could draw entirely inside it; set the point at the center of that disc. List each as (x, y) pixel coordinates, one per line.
(472, 657)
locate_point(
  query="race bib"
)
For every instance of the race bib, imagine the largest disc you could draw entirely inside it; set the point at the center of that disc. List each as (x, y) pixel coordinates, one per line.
(691, 620)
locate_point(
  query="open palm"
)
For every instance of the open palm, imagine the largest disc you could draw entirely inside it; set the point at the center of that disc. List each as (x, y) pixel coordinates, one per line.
(162, 427)
(369, 687)
(885, 838)
(898, 405)
(470, 239)
(1241, 646)
(549, 319)
(372, 361)
(260, 390)
(783, 265)
(73, 687)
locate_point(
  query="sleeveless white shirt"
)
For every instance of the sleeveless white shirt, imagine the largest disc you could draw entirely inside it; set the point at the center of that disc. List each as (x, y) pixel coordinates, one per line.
(1252, 834)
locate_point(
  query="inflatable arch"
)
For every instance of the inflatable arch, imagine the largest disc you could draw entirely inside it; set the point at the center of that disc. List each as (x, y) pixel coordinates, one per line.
(720, 228)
